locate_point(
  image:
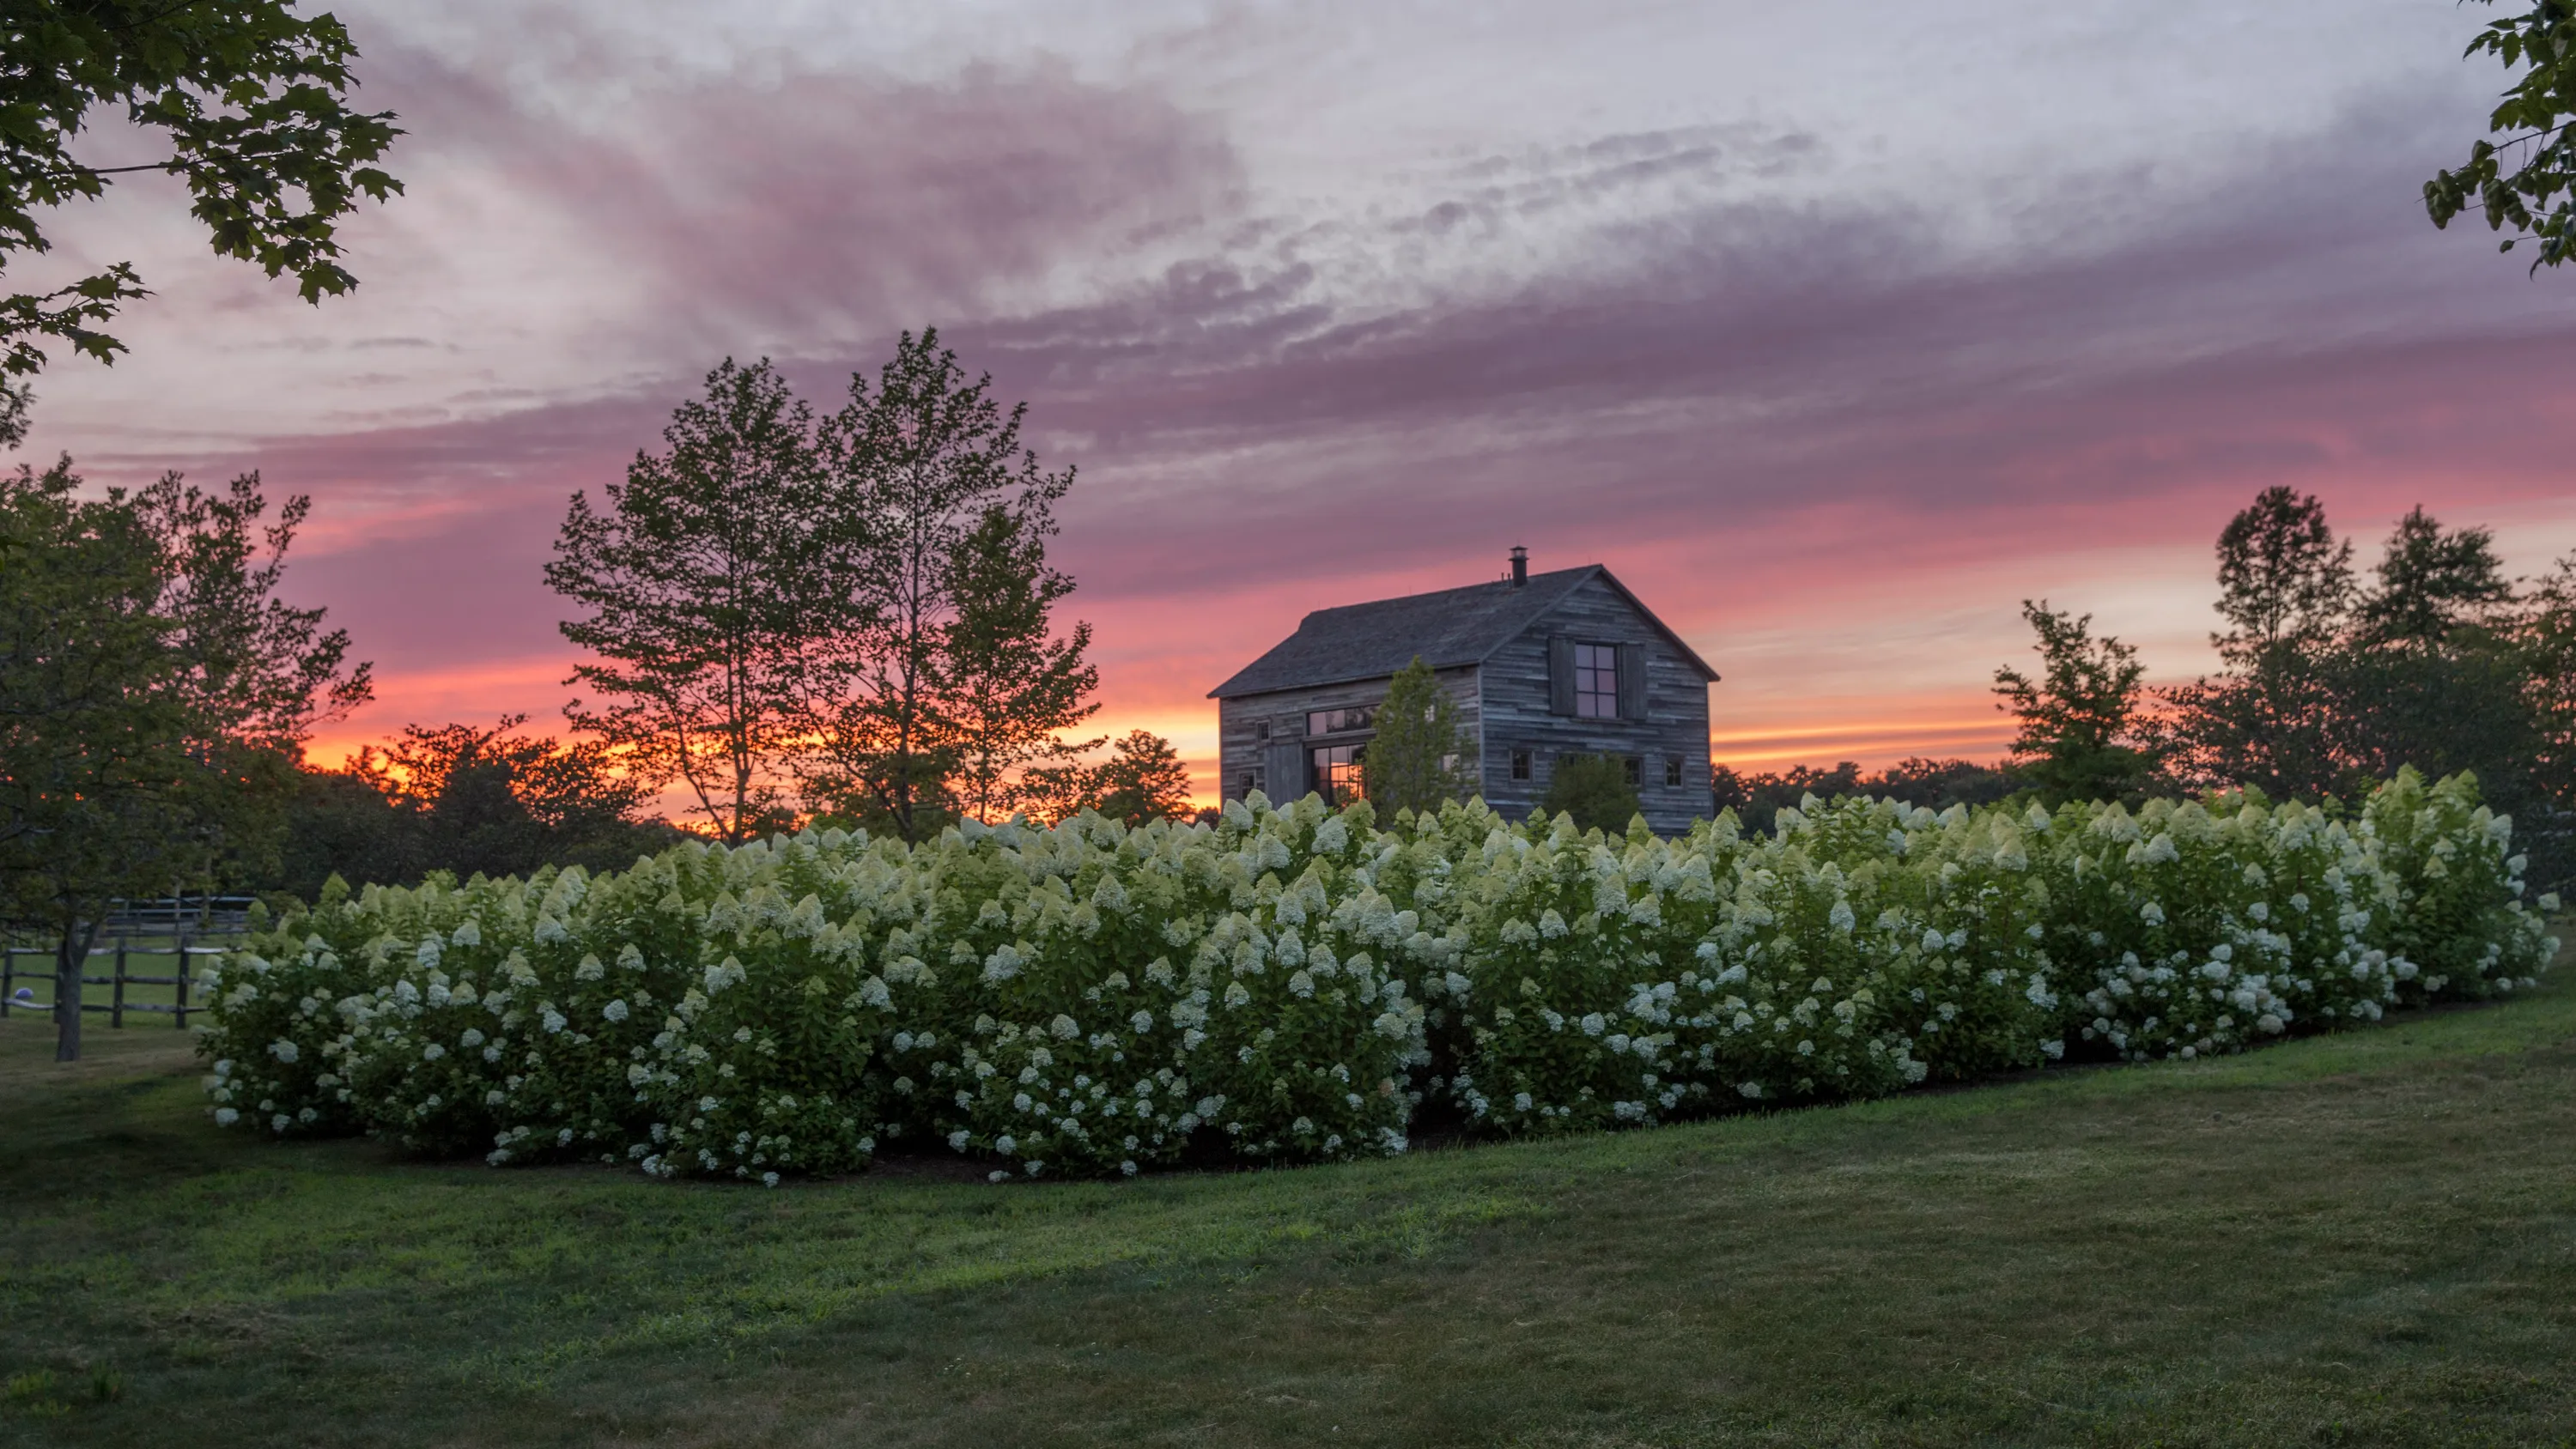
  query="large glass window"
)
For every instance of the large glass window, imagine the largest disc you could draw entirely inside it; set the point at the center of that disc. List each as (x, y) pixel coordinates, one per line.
(1340, 721)
(1596, 681)
(1337, 772)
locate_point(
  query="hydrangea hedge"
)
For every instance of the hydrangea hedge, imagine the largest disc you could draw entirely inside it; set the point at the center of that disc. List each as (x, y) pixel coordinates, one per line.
(1300, 984)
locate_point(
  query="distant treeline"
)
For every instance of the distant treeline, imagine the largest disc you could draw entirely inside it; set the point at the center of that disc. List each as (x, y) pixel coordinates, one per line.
(2329, 681)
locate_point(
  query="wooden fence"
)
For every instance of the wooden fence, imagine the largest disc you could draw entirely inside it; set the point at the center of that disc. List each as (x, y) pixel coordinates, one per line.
(171, 935)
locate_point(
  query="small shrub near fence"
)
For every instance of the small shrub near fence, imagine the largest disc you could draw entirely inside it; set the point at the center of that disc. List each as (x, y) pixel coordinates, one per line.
(1298, 984)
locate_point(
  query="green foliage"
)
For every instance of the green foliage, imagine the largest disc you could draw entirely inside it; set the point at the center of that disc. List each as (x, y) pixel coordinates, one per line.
(1292, 984)
(1593, 790)
(2078, 738)
(1422, 756)
(2532, 133)
(249, 97)
(152, 693)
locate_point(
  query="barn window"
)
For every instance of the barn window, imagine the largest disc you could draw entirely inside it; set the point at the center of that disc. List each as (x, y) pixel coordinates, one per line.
(1632, 769)
(1673, 770)
(1251, 782)
(1337, 773)
(1596, 681)
(1261, 729)
(1340, 721)
(1520, 764)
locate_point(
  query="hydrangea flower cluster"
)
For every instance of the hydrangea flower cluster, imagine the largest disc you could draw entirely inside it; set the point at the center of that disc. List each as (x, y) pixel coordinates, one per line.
(1298, 984)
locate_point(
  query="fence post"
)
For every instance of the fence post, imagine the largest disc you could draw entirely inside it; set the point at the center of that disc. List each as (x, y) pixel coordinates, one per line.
(182, 974)
(116, 996)
(8, 975)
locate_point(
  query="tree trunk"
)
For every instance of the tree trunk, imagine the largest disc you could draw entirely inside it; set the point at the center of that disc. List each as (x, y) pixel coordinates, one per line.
(71, 962)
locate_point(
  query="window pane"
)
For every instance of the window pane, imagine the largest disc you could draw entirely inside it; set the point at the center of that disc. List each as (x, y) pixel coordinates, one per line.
(1596, 681)
(1337, 772)
(1340, 721)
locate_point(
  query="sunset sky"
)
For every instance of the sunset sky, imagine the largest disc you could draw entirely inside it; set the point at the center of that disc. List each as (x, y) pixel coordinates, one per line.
(1834, 331)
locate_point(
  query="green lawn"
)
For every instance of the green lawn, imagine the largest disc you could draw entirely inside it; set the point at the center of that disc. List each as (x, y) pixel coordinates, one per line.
(2365, 1239)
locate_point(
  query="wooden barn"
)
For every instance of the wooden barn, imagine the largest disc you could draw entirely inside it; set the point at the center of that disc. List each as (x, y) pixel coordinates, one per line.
(1542, 665)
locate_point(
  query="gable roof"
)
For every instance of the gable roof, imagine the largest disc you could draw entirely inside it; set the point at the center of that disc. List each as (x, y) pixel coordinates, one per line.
(1450, 628)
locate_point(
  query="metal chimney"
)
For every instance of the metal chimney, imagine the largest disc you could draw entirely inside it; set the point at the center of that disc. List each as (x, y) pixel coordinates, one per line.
(1520, 565)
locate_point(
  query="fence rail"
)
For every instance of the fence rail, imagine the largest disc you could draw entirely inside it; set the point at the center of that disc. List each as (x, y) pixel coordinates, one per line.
(185, 946)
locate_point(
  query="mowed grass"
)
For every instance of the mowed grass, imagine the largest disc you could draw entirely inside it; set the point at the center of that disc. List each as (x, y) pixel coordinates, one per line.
(2360, 1239)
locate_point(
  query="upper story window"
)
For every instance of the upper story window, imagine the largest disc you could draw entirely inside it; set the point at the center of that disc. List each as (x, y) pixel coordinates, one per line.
(1340, 721)
(1596, 681)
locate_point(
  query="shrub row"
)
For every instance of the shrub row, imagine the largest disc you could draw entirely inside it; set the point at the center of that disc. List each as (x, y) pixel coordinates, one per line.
(1299, 984)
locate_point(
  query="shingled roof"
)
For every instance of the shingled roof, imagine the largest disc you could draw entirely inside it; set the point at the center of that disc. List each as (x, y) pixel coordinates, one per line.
(1448, 629)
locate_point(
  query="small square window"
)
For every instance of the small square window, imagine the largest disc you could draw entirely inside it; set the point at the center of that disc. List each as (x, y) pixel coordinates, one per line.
(1261, 729)
(1633, 768)
(1251, 781)
(1673, 770)
(1520, 764)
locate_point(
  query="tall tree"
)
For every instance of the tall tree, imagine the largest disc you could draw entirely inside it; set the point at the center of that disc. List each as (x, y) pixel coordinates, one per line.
(1013, 687)
(704, 583)
(2432, 673)
(917, 466)
(2078, 738)
(2546, 633)
(2523, 175)
(249, 97)
(2433, 580)
(1421, 755)
(2286, 591)
(152, 692)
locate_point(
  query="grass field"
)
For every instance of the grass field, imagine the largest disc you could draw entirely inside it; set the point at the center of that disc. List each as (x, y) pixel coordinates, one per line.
(2363, 1239)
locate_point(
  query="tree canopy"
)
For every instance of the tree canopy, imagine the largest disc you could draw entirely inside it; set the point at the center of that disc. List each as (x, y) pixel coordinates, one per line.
(852, 614)
(249, 100)
(1422, 755)
(2522, 175)
(2078, 738)
(153, 696)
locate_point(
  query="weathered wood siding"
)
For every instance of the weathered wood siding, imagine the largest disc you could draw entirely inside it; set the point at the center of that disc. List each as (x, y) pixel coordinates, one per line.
(1515, 713)
(1246, 754)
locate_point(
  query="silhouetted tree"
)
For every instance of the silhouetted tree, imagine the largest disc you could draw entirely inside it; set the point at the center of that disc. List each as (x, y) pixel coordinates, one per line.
(705, 585)
(2078, 735)
(2286, 591)
(901, 692)
(1012, 687)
